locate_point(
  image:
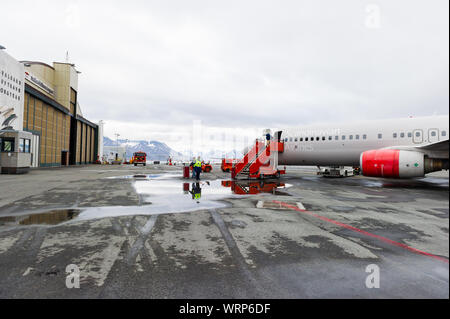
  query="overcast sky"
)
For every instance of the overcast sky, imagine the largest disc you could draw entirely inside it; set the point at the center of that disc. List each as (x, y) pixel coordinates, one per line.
(150, 69)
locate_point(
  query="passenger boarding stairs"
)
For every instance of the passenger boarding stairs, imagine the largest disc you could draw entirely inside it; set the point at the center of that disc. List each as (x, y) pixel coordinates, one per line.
(261, 160)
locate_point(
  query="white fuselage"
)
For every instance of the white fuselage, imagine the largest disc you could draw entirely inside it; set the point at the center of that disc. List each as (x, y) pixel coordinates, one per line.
(343, 145)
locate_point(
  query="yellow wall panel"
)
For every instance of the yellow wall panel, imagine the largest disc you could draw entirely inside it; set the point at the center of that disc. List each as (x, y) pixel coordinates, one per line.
(38, 116)
(31, 102)
(78, 142)
(25, 112)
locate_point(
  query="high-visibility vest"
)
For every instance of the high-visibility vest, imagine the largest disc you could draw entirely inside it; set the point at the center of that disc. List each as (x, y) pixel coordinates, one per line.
(198, 164)
(197, 196)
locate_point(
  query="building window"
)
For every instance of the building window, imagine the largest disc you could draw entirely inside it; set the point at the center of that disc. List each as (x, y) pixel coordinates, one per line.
(7, 145)
(24, 145)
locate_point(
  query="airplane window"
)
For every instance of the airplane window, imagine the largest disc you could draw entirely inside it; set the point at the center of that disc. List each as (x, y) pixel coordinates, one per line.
(351, 137)
(306, 139)
(365, 137)
(323, 138)
(330, 138)
(312, 139)
(357, 137)
(380, 136)
(317, 138)
(444, 133)
(343, 137)
(395, 135)
(402, 135)
(409, 134)
(433, 133)
(301, 139)
(417, 134)
(290, 139)
(296, 139)
(337, 138)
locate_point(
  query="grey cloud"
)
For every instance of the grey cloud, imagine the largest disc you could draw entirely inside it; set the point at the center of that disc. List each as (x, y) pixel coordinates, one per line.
(254, 63)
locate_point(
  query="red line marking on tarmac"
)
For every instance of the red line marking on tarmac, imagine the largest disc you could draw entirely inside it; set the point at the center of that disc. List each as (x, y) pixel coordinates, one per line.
(384, 239)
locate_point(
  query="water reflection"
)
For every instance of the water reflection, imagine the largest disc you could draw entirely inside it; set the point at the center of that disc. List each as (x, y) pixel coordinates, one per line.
(195, 190)
(254, 187)
(159, 196)
(53, 217)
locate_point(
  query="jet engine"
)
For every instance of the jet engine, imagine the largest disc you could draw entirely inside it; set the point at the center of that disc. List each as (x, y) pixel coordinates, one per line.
(398, 164)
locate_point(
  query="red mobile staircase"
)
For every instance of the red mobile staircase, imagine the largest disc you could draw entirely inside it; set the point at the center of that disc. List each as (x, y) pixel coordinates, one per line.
(260, 161)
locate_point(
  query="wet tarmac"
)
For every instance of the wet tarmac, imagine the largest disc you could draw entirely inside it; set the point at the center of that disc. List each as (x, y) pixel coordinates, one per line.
(147, 233)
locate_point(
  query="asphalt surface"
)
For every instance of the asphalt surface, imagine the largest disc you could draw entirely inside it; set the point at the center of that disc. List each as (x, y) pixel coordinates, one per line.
(146, 237)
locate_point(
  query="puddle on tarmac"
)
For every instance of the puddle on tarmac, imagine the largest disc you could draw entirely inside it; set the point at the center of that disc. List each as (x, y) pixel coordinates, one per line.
(161, 194)
(166, 194)
(53, 217)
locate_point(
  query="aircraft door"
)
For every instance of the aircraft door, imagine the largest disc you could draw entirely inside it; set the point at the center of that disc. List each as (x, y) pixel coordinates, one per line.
(433, 135)
(417, 136)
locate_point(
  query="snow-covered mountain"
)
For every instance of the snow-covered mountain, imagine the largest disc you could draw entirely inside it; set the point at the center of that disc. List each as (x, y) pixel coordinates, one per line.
(156, 151)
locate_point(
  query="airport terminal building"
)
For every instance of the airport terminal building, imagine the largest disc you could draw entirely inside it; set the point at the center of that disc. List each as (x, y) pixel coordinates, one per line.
(40, 117)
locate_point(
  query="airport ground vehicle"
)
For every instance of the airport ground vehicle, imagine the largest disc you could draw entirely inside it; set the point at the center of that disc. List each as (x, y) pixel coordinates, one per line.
(336, 171)
(206, 167)
(139, 158)
(227, 164)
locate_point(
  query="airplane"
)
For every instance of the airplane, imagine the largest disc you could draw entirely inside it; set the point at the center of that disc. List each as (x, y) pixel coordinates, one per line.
(393, 148)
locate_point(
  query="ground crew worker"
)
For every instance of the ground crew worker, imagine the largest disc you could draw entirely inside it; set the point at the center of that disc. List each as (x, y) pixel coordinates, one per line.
(192, 166)
(198, 168)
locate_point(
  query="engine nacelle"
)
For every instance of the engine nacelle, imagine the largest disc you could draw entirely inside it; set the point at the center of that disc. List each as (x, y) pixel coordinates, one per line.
(393, 164)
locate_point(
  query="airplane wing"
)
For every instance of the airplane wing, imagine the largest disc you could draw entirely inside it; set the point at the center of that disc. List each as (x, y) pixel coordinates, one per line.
(433, 150)
(441, 146)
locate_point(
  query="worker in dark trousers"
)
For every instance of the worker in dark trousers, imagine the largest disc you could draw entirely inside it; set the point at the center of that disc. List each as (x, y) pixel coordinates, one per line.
(198, 168)
(192, 167)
